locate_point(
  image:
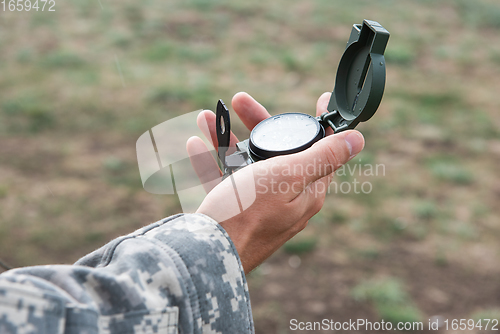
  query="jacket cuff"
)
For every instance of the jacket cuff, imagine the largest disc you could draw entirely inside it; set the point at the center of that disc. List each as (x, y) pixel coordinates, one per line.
(212, 292)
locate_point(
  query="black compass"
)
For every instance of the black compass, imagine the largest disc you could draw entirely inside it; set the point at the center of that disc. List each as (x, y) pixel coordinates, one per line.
(359, 87)
(284, 134)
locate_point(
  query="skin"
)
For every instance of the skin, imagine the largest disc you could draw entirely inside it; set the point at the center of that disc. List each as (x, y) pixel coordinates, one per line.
(275, 216)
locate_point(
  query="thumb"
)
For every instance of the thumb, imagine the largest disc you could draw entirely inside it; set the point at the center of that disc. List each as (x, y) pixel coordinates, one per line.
(328, 154)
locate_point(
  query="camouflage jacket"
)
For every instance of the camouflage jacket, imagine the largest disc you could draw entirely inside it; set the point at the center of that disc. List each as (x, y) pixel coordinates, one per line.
(178, 275)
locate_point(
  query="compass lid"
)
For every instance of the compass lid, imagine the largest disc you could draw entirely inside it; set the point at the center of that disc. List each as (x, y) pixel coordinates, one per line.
(360, 80)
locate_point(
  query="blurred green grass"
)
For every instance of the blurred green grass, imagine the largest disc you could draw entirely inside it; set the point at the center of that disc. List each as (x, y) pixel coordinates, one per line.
(79, 85)
(391, 301)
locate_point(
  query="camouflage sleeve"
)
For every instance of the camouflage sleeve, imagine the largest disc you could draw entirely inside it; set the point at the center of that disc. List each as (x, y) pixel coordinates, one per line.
(179, 275)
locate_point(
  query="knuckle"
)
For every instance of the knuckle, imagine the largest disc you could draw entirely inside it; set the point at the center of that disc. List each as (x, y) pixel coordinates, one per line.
(298, 227)
(332, 157)
(318, 204)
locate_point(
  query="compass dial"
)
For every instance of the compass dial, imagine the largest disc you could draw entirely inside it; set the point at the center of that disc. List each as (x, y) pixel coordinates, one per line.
(284, 134)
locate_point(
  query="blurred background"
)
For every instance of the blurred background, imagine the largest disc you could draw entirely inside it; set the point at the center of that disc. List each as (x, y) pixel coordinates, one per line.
(80, 84)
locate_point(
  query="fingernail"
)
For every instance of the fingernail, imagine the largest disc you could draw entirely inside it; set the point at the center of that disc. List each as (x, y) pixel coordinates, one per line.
(355, 143)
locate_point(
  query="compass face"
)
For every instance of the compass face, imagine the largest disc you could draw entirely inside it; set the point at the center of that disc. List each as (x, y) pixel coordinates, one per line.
(284, 134)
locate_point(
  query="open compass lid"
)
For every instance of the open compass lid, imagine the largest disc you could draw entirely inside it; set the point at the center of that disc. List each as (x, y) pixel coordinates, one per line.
(360, 80)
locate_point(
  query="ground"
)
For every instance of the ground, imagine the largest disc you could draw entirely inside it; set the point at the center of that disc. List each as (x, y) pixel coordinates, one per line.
(80, 84)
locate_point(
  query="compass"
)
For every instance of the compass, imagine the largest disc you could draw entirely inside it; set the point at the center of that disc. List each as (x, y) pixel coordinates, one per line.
(359, 87)
(284, 134)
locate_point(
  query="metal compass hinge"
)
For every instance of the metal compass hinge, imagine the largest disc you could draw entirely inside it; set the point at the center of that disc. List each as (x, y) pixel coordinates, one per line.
(330, 119)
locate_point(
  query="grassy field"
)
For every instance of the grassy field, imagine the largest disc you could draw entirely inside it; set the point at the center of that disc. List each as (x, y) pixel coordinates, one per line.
(79, 85)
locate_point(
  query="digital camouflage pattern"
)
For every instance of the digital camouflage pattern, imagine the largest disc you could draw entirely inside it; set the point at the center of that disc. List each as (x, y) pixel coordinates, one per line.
(178, 275)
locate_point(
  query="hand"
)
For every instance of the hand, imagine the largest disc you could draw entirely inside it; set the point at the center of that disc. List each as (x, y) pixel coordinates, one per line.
(251, 113)
(287, 190)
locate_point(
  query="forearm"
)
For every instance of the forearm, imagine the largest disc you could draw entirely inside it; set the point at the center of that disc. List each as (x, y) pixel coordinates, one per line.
(182, 272)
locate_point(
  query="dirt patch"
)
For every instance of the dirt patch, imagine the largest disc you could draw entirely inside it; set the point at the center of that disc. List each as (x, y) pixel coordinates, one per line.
(320, 288)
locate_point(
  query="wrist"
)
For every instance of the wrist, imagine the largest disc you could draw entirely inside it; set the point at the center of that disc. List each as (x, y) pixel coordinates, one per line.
(254, 246)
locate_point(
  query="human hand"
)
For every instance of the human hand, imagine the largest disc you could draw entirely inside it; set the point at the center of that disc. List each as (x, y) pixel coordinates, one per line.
(287, 190)
(251, 113)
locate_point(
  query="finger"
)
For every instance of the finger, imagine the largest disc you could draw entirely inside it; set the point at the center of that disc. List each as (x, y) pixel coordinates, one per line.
(310, 201)
(324, 157)
(203, 163)
(322, 104)
(315, 194)
(249, 110)
(206, 122)
(321, 107)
